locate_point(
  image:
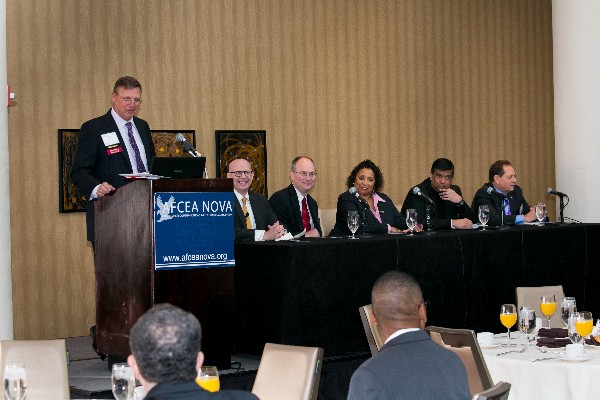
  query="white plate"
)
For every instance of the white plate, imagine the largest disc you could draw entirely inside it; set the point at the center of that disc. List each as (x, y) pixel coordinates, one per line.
(574, 359)
(553, 348)
(591, 347)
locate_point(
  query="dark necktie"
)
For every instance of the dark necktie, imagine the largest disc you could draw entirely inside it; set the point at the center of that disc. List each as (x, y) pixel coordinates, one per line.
(138, 158)
(305, 216)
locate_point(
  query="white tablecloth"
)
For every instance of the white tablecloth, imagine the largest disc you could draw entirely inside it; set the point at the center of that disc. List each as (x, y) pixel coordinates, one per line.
(548, 379)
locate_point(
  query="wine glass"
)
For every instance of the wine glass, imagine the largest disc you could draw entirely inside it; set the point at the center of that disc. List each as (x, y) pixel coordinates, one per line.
(527, 321)
(123, 381)
(508, 317)
(572, 331)
(584, 323)
(548, 306)
(15, 381)
(484, 215)
(208, 378)
(568, 306)
(540, 211)
(353, 222)
(411, 219)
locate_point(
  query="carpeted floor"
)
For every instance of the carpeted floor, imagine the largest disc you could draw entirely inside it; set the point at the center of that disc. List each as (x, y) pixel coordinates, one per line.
(89, 376)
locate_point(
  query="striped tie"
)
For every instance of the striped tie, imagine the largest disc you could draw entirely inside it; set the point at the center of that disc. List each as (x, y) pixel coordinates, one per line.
(246, 214)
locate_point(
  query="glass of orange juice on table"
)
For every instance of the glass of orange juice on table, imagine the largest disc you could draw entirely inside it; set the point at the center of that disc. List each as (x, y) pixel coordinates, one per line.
(548, 306)
(584, 323)
(208, 378)
(508, 317)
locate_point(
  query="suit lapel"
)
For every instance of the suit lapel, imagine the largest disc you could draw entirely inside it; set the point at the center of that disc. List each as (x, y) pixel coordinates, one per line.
(295, 206)
(111, 126)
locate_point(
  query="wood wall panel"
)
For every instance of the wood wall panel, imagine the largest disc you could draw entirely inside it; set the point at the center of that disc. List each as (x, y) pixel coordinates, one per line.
(401, 82)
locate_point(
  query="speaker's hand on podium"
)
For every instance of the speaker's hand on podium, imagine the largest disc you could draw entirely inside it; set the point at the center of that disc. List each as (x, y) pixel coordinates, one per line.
(104, 189)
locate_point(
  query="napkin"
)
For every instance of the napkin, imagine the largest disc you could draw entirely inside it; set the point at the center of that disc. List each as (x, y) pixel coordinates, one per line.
(552, 342)
(553, 332)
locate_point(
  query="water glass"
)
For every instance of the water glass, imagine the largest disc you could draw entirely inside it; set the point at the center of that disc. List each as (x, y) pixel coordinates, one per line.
(15, 381)
(568, 306)
(123, 381)
(353, 221)
(572, 331)
(484, 215)
(527, 321)
(411, 219)
(540, 211)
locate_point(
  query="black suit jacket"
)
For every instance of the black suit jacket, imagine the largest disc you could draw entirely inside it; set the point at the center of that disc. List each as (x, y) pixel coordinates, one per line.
(518, 204)
(192, 391)
(285, 205)
(92, 164)
(443, 212)
(263, 216)
(388, 212)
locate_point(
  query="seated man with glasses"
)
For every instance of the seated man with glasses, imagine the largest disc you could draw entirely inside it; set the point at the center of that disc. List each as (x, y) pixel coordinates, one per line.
(294, 207)
(448, 210)
(409, 365)
(253, 220)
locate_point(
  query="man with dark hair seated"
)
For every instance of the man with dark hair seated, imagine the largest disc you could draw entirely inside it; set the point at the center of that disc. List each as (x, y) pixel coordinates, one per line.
(165, 347)
(409, 365)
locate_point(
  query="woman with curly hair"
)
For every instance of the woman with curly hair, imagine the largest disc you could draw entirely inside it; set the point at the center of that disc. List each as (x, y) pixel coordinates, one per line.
(364, 195)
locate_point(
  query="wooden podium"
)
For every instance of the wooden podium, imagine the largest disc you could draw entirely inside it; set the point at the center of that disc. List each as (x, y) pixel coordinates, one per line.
(127, 283)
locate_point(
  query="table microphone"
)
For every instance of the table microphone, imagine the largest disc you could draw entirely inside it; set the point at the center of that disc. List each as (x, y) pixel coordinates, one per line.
(554, 192)
(418, 192)
(362, 201)
(187, 146)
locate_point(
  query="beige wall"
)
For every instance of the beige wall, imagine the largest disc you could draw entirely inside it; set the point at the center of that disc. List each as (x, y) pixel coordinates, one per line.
(400, 82)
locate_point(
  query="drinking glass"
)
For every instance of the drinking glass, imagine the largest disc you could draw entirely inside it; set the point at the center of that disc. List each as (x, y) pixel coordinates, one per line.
(540, 211)
(208, 378)
(568, 306)
(572, 331)
(527, 321)
(411, 220)
(548, 306)
(123, 381)
(484, 215)
(508, 317)
(353, 222)
(584, 323)
(15, 382)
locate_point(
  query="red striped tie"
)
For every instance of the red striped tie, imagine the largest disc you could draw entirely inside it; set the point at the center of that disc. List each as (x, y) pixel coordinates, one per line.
(305, 216)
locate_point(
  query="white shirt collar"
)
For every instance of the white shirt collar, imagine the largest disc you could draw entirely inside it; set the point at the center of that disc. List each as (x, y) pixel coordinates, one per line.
(401, 332)
(120, 121)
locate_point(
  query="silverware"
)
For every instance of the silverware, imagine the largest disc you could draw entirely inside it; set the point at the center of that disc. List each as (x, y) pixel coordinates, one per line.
(544, 359)
(512, 351)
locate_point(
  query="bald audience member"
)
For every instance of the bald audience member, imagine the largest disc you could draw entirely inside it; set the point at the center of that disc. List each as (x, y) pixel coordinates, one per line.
(294, 207)
(254, 220)
(165, 356)
(409, 365)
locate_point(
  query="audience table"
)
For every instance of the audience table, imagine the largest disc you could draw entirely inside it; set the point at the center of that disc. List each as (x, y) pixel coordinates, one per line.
(548, 379)
(308, 292)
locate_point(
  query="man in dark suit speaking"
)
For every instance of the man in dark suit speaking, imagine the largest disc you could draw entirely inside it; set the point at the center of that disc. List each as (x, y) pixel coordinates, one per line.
(115, 143)
(409, 365)
(294, 207)
(253, 220)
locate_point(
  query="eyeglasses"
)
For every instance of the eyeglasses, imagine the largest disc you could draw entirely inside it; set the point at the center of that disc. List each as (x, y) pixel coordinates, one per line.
(129, 100)
(305, 174)
(239, 174)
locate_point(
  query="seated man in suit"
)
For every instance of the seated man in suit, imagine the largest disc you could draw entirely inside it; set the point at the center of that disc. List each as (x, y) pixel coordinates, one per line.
(449, 209)
(409, 365)
(253, 220)
(504, 197)
(165, 356)
(294, 207)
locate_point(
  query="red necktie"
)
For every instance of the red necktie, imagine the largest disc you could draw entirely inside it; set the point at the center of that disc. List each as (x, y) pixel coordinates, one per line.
(305, 216)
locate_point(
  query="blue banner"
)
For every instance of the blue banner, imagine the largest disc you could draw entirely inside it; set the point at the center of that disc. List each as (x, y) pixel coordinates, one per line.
(193, 230)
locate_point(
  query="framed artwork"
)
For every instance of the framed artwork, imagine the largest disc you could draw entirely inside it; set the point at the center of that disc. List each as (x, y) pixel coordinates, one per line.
(249, 145)
(69, 197)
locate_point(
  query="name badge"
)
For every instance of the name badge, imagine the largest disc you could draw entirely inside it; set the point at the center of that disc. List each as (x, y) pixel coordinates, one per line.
(114, 150)
(110, 139)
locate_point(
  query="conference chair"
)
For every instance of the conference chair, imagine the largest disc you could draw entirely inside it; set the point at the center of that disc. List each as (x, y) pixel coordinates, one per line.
(464, 344)
(499, 391)
(327, 219)
(371, 329)
(45, 364)
(288, 373)
(531, 296)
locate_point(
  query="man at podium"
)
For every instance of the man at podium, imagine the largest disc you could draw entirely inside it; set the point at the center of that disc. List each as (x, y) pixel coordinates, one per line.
(115, 143)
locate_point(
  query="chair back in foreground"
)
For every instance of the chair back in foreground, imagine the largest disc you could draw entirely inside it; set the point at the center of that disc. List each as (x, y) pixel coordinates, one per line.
(327, 219)
(45, 364)
(371, 329)
(464, 344)
(531, 296)
(499, 391)
(288, 373)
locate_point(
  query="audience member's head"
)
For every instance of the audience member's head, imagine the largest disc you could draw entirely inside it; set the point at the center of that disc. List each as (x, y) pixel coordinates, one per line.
(303, 174)
(397, 303)
(442, 173)
(502, 176)
(165, 346)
